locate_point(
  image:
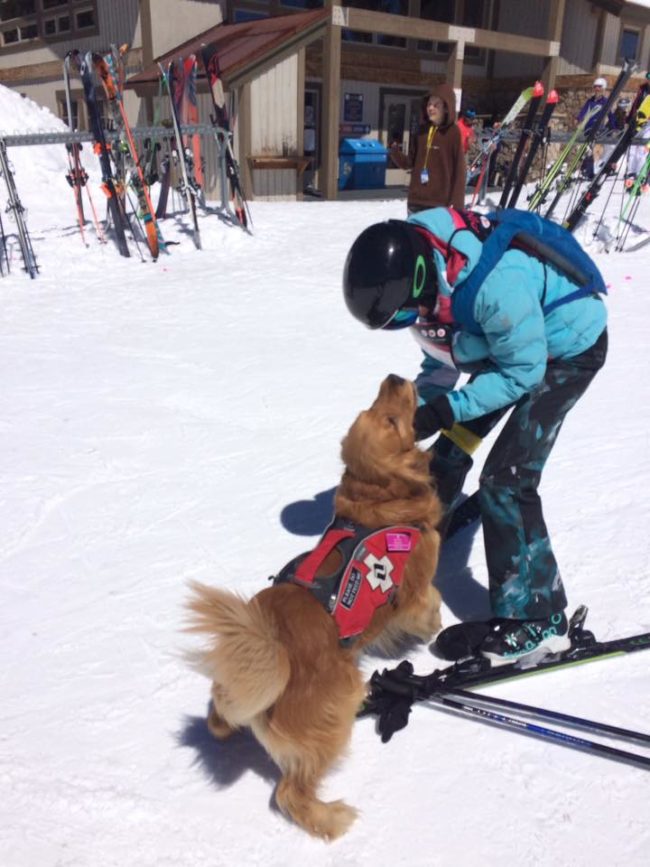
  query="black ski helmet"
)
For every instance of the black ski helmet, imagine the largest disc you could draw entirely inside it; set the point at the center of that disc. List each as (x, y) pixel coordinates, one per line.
(389, 268)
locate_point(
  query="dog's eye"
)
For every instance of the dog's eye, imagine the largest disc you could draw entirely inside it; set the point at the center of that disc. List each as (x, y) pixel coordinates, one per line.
(392, 420)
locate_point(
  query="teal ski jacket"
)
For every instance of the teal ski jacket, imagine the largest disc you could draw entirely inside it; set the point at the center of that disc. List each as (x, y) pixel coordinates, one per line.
(517, 340)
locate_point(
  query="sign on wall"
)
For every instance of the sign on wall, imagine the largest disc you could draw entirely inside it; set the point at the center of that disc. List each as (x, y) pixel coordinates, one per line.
(353, 107)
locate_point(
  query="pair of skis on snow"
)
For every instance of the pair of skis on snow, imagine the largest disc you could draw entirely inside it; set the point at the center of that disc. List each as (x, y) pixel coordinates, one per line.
(179, 81)
(568, 164)
(220, 118)
(179, 78)
(120, 167)
(16, 210)
(562, 172)
(394, 691)
(637, 117)
(533, 133)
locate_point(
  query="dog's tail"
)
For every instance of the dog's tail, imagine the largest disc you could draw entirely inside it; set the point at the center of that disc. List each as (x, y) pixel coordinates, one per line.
(246, 660)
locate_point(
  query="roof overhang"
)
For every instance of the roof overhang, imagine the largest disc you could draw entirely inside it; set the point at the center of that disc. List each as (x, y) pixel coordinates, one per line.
(245, 50)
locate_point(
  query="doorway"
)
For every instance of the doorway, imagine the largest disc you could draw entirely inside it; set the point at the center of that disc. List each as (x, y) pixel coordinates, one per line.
(311, 135)
(400, 115)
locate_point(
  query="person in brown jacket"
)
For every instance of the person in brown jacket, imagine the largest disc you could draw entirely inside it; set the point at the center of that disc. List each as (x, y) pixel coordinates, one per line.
(437, 162)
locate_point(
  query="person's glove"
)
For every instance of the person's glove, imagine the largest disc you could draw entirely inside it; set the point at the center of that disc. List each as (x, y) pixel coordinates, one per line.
(393, 715)
(390, 699)
(431, 417)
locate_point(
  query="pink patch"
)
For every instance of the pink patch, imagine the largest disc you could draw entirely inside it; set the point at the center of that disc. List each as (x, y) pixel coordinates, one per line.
(398, 542)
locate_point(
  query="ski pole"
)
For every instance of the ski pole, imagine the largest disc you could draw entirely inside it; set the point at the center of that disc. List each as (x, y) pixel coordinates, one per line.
(627, 225)
(542, 713)
(494, 718)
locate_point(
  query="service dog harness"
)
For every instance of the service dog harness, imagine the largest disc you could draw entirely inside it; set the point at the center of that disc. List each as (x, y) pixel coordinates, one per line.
(371, 568)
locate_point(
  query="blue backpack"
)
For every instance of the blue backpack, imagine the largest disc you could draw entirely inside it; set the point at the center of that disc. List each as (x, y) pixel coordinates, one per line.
(536, 236)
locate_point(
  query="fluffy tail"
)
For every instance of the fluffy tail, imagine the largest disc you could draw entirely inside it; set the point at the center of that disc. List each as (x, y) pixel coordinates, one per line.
(246, 660)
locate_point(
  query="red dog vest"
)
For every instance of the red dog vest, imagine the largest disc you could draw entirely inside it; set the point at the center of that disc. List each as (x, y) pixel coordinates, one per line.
(371, 570)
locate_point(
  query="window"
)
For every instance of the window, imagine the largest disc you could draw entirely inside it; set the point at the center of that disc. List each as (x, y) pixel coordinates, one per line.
(16, 9)
(62, 103)
(45, 19)
(437, 10)
(85, 19)
(629, 46)
(302, 4)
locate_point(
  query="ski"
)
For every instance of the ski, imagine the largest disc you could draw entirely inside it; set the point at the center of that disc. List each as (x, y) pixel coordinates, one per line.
(539, 137)
(110, 185)
(393, 692)
(486, 148)
(634, 188)
(16, 209)
(402, 685)
(77, 176)
(165, 177)
(539, 196)
(639, 115)
(188, 187)
(524, 137)
(223, 135)
(4, 253)
(108, 69)
(189, 115)
(591, 134)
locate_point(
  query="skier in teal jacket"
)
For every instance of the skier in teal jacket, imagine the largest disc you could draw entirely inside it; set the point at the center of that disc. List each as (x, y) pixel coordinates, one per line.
(531, 338)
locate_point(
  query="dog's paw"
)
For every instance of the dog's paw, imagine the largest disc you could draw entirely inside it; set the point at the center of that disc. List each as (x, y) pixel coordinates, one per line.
(217, 726)
(334, 819)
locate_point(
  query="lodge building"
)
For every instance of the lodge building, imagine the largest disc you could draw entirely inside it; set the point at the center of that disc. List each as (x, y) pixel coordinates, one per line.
(306, 74)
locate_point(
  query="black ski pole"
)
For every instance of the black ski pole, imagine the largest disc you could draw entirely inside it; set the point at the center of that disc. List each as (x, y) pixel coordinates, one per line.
(539, 136)
(499, 719)
(593, 726)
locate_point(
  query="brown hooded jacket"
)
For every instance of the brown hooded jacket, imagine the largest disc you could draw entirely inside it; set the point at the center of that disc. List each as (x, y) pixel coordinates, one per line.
(445, 162)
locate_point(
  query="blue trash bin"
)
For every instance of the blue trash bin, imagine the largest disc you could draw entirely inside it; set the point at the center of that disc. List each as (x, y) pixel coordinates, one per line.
(362, 164)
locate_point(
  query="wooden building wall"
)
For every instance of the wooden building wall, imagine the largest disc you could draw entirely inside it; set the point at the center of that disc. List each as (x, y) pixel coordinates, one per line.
(524, 19)
(580, 35)
(37, 70)
(173, 21)
(274, 128)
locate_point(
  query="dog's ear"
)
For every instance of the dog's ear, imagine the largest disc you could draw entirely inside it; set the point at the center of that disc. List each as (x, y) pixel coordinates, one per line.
(402, 424)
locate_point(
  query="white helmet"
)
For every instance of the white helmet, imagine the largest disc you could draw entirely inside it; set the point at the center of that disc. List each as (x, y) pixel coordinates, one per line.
(600, 82)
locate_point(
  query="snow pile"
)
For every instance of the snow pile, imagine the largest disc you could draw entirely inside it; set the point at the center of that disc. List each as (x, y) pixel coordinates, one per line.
(40, 170)
(20, 115)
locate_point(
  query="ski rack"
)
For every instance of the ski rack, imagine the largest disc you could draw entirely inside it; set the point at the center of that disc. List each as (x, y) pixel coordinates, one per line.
(53, 137)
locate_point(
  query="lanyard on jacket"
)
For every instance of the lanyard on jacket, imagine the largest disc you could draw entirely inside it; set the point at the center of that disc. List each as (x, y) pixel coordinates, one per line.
(432, 131)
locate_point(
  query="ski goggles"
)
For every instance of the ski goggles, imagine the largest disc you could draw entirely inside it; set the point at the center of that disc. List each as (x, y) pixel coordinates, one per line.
(401, 319)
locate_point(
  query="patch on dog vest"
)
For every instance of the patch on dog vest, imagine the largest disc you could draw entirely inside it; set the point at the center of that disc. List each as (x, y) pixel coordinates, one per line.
(370, 569)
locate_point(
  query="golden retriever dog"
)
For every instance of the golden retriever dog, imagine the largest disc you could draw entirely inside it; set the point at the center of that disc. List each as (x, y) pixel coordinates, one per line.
(277, 663)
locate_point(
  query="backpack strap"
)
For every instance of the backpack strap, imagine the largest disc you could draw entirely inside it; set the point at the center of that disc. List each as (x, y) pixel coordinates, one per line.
(533, 235)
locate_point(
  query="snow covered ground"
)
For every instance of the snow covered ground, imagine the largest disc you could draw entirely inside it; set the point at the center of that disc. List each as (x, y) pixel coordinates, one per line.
(182, 420)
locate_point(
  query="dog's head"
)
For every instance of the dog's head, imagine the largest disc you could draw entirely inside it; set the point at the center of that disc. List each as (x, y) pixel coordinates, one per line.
(380, 446)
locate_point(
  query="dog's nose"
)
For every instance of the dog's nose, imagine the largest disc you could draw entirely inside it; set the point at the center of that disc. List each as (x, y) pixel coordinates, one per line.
(394, 379)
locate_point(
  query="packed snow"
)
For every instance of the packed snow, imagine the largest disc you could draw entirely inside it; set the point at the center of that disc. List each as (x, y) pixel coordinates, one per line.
(181, 420)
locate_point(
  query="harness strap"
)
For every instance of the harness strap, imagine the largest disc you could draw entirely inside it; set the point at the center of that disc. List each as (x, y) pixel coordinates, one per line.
(306, 571)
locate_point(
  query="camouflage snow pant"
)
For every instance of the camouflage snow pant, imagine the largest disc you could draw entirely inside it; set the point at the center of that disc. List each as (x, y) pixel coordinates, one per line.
(524, 578)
